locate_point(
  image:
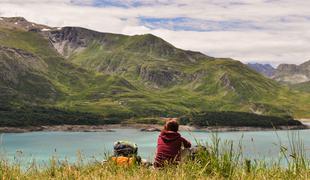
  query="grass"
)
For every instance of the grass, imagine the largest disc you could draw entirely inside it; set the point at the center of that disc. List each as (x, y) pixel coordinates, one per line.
(302, 86)
(220, 160)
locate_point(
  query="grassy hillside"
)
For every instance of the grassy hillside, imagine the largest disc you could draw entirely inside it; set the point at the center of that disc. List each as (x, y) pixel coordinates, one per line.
(302, 86)
(125, 77)
(183, 81)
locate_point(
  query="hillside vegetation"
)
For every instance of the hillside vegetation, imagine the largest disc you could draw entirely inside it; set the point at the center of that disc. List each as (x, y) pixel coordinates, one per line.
(302, 86)
(105, 75)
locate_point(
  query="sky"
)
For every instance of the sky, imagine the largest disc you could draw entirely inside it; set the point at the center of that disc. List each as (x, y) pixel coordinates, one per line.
(263, 31)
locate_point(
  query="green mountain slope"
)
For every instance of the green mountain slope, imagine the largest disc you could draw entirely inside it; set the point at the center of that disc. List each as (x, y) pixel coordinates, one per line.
(186, 78)
(302, 86)
(123, 77)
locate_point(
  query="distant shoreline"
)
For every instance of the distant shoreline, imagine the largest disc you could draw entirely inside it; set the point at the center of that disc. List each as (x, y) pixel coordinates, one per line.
(142, 127)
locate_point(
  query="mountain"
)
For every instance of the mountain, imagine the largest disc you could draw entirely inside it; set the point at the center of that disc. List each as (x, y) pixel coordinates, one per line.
(73, 75)
(285, 73)
(265, 69)
(293, 74)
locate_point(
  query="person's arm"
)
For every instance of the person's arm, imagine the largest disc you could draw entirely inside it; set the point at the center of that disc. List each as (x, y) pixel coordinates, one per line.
(186, 143)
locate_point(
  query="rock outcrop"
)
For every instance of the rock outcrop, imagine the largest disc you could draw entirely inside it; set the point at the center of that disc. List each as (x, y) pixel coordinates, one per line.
(160, 77)
(286, 73)
(68, 40)
(293, 74)
(23, 24)
(225, 82)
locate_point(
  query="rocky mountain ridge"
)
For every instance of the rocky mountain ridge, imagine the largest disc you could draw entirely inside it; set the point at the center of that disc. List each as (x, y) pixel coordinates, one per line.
(126, 77)
(285, 73)
(294, 74)
(130, 55)
(23, 24)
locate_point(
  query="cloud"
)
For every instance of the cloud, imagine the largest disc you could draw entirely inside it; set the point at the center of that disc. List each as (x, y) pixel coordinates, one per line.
(131, 3)
(273, 31)
(190, 24)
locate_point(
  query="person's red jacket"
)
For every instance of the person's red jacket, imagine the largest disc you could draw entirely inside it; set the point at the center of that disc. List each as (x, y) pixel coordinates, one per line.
(168, 147)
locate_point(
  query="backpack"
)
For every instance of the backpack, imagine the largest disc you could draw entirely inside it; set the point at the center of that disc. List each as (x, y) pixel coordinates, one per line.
(125, 148)
(124, 161)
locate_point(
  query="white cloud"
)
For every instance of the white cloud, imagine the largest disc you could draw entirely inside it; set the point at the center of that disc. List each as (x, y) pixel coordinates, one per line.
(284, 34)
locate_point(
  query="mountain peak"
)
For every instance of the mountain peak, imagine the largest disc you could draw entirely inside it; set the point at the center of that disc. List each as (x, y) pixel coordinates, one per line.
(265, 69)
(14, 19)
(73, 40)
(287, 73)
(287, 67)
(306, 64)
(22, 24)
(291, 73)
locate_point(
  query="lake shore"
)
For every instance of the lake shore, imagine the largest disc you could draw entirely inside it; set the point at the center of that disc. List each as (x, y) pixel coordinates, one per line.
(142, 127)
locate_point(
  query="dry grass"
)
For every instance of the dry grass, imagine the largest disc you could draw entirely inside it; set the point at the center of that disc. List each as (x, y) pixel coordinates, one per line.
(222, 160)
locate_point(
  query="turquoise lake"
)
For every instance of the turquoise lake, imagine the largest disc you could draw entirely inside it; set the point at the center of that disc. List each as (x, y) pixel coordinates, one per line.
(41, 146)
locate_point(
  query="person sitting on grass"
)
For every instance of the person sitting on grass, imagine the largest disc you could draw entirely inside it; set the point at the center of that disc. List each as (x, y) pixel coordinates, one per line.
(169, 144)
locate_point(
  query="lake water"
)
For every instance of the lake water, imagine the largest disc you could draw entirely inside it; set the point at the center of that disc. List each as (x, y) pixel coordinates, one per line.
(41, 146)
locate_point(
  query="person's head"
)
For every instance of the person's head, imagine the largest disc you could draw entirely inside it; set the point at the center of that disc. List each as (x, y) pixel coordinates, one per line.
(172, 125)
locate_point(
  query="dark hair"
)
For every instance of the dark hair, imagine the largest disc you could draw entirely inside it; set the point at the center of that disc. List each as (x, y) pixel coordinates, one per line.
(172, 125)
